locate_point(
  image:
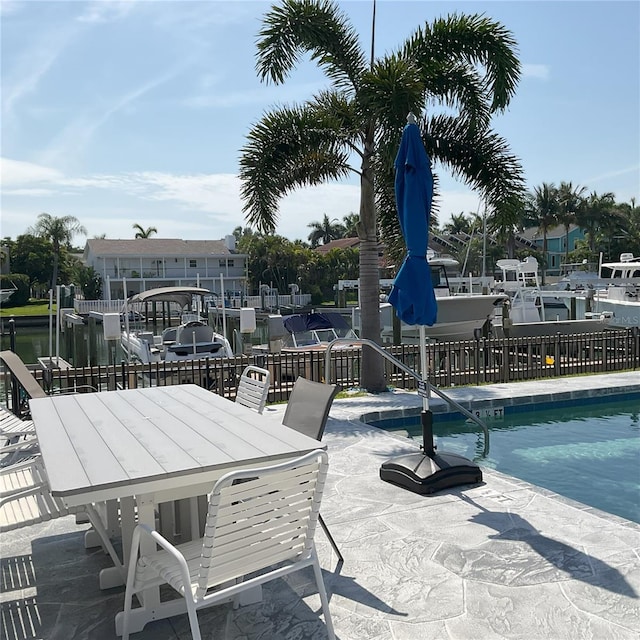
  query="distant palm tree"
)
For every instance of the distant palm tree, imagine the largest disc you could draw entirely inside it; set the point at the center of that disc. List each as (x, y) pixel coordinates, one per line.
(459, 223)
(542, 211)
(60, 232)
(569, 203)
(594, 214)
(350, 222)
(325, 231)
(144, 233)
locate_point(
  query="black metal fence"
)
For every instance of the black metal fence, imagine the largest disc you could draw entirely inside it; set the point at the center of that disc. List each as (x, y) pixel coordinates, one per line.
(473, 362)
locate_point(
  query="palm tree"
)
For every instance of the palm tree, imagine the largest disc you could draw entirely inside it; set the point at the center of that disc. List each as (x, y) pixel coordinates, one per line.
(464, 62)
(542, 211)
(569, 203)
(593, 215)
(144, 233)
(327, 230)
(350, 223)
(60, 232)
(459, 223)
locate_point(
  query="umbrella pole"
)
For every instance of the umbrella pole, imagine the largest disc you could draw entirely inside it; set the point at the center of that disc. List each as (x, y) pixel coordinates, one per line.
(426, 417)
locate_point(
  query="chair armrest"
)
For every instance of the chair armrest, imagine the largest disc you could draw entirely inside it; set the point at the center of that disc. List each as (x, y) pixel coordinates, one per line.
(145, 530)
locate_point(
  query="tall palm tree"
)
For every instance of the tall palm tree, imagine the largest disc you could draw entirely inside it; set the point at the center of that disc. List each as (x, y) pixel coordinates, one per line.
(325, 231)
(463, 62)
(593, 215)
(542, 211)
(141, 232)
(569, 203)
(60, 232)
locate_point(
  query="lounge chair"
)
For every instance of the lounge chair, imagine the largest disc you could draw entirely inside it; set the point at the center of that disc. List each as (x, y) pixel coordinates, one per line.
(253, 388)
(307, 412)
(26, 499)
(257, 518)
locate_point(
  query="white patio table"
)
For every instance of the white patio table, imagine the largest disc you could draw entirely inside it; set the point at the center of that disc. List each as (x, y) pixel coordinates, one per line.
(151, 446)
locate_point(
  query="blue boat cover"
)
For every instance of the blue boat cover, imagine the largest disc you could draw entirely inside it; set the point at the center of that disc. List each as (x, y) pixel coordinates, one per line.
(298, 323)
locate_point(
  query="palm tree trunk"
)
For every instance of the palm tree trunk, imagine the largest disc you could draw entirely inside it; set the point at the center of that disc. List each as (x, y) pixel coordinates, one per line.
(372, 371)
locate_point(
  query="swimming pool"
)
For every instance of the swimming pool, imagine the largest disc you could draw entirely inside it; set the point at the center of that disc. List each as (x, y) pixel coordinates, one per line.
(589, 453)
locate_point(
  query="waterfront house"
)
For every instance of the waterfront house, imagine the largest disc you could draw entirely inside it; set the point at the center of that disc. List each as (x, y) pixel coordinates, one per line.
(556, 244)
(147, 263)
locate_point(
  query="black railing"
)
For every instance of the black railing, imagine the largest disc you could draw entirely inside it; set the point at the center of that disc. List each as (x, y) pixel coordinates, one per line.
(473, 362)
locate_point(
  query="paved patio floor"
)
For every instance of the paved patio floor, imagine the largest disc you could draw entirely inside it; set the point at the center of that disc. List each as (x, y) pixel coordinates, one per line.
(500, 560)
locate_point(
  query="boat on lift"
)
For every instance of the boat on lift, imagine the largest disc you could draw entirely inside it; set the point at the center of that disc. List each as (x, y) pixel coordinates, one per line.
(533, 311)
(615, 293)
(461, 316)
(192, 339)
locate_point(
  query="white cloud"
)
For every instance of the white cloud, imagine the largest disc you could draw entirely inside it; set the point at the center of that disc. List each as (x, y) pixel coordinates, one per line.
(18, 172)
(106, 10)
(540, 71)
(71, 142)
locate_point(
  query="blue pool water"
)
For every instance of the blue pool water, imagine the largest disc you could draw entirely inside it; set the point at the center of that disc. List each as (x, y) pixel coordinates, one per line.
(590, 453)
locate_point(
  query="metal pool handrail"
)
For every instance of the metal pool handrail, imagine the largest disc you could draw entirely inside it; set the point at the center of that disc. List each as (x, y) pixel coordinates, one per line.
(408, 371)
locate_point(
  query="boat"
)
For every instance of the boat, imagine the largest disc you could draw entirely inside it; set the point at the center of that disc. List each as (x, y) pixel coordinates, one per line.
(461, 316)
(192, 339)
(532, 311)
(615, 293)
(314, 331)
(5, 294)
(308, 333)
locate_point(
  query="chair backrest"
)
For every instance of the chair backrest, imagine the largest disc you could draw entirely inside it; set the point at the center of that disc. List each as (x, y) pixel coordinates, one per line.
(253, 388)
(19, 371)
(308, 407)
(260, 517)
(198, 332)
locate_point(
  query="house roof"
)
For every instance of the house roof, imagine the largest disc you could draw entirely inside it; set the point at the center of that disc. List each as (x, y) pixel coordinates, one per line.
(152, 247)
(341, 243)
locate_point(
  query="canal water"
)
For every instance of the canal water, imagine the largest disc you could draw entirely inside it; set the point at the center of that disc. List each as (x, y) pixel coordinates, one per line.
(32, 343)
(85, 345)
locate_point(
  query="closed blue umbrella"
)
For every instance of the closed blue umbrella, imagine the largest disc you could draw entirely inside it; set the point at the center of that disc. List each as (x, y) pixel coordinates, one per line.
(412, 295)
(414, 299)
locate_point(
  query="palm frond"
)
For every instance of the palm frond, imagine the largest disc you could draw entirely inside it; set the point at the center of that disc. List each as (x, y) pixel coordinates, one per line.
(481, 158)
(474, 41)
(307, 26)
(286, 149)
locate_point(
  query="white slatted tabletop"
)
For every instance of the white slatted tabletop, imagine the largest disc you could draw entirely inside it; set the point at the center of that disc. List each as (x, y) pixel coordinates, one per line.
(115, 444)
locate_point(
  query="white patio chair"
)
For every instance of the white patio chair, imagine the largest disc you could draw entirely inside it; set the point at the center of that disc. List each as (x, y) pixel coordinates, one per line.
(253, 388)
(307, 412)
(25, 500)
(12, 426)
(266, 519)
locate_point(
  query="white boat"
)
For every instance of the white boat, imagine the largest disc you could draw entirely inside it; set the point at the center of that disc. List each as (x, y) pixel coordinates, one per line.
(616, 293)
(192, 339)
(461, 316)
(308, 333)
(533, 311)
(314, 330)
(5, 294)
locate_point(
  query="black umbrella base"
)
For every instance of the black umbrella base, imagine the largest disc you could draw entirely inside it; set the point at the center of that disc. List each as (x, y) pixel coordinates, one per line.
(425, 474)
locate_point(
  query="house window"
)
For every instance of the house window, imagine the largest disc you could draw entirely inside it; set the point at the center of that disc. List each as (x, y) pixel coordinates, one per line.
(193, 264)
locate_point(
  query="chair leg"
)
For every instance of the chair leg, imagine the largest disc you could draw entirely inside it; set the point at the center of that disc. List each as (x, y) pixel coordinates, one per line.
(193, 619)
(323, 597)
(330, 537)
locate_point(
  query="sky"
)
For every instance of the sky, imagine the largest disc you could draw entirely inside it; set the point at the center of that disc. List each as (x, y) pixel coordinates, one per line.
(123, 112)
